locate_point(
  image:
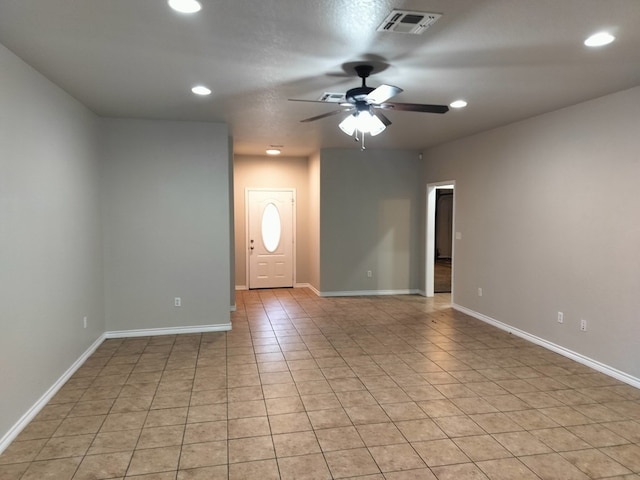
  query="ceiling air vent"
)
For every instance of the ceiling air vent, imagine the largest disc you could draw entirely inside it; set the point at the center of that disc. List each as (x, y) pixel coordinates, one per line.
(405, 21)
(332, 97)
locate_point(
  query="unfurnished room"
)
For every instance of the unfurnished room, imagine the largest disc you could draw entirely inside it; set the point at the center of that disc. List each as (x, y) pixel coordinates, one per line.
(279, 239)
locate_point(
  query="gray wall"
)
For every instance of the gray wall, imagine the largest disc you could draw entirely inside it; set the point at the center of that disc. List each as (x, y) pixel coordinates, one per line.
(50, 236)
(549, 213)
(271, 172)
(371, 209)
(166, 217)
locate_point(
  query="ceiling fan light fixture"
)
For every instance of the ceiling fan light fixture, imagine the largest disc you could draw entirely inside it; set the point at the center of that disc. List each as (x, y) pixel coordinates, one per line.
(458, 104)
(272, 151)
(599, 39)
(364, 121)
(185, 6)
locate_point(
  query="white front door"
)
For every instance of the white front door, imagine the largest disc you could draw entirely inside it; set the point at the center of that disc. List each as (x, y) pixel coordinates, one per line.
(270, 238)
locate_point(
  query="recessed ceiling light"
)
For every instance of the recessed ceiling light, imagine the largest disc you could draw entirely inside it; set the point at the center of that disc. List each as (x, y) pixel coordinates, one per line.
(185, 6)
(273, 151)
(201, 90)
(458, 104)
(599, 39)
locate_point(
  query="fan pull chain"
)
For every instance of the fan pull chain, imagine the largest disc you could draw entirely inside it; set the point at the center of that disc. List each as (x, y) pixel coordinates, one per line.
(356, 138)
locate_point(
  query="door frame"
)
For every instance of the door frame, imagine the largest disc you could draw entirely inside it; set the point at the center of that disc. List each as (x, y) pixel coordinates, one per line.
(247, 233)
(430, 235)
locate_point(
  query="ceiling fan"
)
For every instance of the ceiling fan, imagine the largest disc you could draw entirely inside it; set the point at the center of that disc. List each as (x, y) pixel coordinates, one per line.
(364, 104)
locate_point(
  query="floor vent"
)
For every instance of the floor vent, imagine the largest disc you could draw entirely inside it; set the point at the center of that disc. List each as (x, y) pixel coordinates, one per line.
(406, 21)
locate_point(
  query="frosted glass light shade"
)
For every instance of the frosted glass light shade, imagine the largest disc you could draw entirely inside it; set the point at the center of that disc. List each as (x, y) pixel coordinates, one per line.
(374, 125)
(348, 125)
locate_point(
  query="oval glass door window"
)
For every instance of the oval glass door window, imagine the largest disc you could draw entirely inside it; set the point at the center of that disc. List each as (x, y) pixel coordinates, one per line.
(271, 227)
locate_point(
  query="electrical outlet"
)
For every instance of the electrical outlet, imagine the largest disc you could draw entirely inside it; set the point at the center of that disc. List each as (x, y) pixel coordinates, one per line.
(369, 273)
(84, 321)
(583, 325)
(560, 317)
(177, 302)
(479, 292)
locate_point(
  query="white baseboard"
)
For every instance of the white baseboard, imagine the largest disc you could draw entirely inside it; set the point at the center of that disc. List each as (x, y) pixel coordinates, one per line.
(309, 286)
(242, 287)
(233, 308)
(152, 332)
(589, 362)
(14, 431)
(367, 293)
(313, 289)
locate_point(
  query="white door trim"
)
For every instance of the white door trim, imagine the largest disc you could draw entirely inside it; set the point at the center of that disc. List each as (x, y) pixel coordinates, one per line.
(430, 235)
(246, 227)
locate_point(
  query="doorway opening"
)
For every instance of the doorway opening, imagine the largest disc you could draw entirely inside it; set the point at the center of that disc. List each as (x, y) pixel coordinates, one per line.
(443, 242)
(439, 237)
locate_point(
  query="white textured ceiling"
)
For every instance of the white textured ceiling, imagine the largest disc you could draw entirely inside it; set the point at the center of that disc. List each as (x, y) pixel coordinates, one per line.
(510, 59)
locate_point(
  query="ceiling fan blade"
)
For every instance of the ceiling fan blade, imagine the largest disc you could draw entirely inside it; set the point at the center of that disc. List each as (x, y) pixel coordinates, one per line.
(308, 101)
(382, 118)
(415, 107)
(324, 115)
(383, 93)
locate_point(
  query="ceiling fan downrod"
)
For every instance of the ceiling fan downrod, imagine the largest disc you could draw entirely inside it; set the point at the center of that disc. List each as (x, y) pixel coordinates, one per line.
(363, 72)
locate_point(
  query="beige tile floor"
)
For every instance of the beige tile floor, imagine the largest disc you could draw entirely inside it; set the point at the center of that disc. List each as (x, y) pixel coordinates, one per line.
(315, 388)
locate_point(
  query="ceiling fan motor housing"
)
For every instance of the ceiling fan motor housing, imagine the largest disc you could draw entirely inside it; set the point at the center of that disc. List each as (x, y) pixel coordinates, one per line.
(358, 94)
